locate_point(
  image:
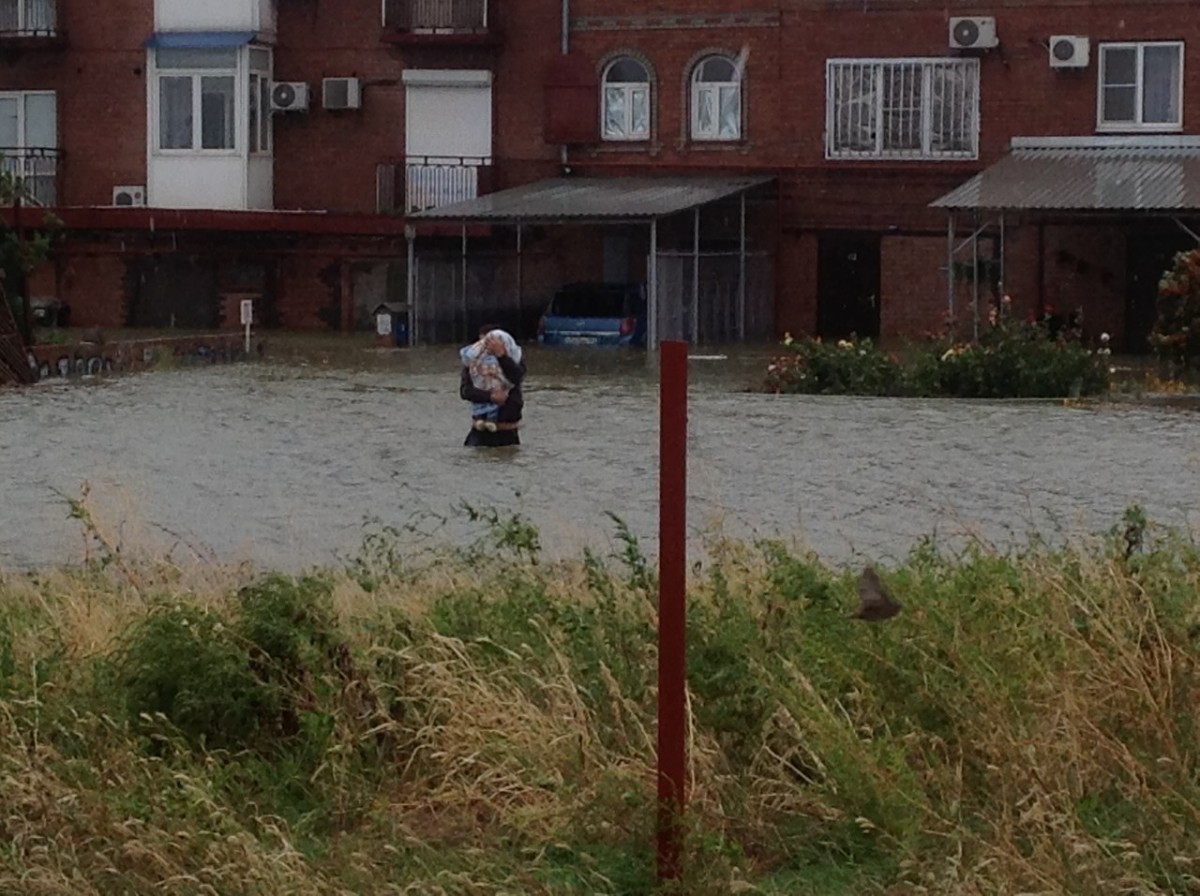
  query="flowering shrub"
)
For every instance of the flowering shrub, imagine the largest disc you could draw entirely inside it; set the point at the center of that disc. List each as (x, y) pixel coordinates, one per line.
(842, 368)
(1010, 360)
(1176, 334)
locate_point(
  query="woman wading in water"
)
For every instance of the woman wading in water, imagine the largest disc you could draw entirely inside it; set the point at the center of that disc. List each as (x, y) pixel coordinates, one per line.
(491, 380)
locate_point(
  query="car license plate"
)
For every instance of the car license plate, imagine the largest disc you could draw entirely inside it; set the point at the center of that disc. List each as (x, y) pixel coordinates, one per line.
(579, 340)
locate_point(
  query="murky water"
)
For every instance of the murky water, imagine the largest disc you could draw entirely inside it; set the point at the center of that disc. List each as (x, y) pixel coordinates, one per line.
(282, 463)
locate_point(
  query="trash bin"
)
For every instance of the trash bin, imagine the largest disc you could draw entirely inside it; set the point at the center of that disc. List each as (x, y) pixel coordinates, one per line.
(391, 325)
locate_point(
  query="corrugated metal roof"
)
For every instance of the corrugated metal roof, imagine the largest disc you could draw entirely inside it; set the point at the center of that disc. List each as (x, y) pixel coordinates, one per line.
(593, 199)
(1070, 175)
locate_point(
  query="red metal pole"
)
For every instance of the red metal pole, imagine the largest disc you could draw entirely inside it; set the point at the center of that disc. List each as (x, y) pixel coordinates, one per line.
(672, 606)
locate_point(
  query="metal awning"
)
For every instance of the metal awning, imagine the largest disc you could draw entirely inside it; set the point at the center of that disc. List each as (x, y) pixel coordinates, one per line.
(1092, 174)
(583, 199)
(198, 40)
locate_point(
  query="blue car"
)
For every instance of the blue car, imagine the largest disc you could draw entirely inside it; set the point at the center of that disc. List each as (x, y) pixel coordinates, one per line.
(595, 314)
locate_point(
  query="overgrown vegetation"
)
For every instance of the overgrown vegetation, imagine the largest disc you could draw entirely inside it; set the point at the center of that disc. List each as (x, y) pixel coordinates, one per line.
(1009, 360)
(23, 250)
(484, 724)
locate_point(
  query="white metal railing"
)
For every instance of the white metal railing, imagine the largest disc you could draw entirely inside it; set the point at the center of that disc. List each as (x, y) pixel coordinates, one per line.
(28, 18)
(902, 109)
(436, 15)
(431, 182)
(36, 170)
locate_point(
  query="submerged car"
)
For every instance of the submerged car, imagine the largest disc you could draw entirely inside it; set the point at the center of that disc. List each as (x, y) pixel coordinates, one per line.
(595, 314)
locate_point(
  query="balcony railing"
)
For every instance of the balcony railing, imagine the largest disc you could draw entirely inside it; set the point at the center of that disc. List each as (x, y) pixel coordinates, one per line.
(436, 16)
(431, 182)
(28, 18)
(36, 169)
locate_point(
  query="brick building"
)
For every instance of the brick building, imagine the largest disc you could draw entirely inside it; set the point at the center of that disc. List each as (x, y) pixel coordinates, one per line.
(806, 165)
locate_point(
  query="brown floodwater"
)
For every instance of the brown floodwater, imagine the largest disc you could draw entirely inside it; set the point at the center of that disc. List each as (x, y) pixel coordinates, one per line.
(288, 463)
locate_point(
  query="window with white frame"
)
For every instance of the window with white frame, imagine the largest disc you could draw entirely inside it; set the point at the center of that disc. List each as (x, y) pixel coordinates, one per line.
(625, 110)
(716, 99)
(1141, 86)
(197, 99)
(28, 120)
(902, 109)
(259, 97)
(29, 140)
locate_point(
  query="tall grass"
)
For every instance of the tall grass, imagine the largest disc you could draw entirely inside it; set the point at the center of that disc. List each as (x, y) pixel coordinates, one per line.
(484, 724)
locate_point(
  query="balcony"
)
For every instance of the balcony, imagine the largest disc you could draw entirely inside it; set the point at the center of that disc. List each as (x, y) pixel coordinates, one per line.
(31, 22)
(421, 183)
(437, 22)
(37, 169)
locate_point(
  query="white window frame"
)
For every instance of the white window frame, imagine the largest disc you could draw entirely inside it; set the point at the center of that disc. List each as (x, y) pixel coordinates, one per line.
(628, 90)
(925, 152)
(260, 129)
(32, 169)
(21, 96)
(1139, 85)
(245, 74)
(717, 89)
(195, 75)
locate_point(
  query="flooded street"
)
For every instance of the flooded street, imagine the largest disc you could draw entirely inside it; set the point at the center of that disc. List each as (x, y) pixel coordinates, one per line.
(287, 462)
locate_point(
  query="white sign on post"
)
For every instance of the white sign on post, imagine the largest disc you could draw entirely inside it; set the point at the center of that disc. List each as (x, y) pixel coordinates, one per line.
(247, 319)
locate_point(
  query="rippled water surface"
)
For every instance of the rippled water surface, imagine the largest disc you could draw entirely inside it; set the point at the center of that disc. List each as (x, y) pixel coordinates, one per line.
(283, 463)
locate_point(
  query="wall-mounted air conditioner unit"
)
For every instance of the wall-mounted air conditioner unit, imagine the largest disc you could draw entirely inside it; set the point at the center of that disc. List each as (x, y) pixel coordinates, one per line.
(1069, 51)
(129, 196)
(289, 96)
(973, 33)
(341, 93)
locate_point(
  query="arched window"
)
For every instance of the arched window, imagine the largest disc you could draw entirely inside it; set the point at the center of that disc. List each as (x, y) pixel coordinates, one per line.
(626, 100)
(716, 99)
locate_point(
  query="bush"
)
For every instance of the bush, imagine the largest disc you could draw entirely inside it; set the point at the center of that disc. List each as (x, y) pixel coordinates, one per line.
(185, 665)
(237, 684)
(1176, 334)
(845, 368)
(1009, 361)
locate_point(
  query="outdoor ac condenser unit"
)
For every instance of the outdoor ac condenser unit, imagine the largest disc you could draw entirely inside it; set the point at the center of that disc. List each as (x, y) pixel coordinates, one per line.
(341, 93)
(129, 196)
(289, 96)
(973, 33)
(1068, 51)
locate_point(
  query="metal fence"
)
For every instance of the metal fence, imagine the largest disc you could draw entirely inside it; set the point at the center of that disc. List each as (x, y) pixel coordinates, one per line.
(434, 182)
(720, 311)
(436, 15)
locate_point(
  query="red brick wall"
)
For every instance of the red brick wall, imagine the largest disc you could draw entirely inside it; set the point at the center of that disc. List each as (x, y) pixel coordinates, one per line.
(913, 296)
(308, 292)
(101, 90)
(796, 284)
(95, 287)
(328, 160)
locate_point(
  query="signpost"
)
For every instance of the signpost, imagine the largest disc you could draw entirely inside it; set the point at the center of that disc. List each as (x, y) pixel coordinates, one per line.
(672, 606)
(247, 320)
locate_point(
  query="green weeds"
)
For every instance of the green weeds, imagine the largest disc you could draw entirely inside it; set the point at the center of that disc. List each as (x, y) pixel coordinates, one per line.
(484, 724)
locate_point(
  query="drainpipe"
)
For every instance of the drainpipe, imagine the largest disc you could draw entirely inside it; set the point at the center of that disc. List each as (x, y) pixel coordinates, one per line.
(565, 48)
